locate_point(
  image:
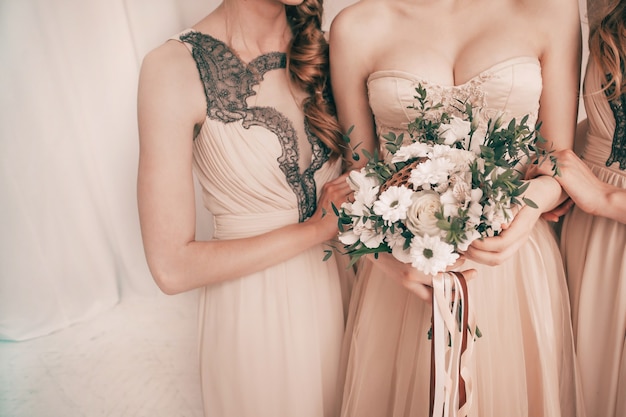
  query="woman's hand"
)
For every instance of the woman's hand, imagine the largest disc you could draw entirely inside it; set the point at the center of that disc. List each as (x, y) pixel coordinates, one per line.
(546, 193)
(334, 192)
(410, 277)
(495, 250)
(582, 186)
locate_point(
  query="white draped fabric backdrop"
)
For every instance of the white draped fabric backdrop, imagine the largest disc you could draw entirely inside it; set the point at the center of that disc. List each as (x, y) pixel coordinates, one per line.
(70, 246)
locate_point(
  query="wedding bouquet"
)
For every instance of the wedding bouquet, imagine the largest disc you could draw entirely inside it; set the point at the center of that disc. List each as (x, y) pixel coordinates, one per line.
(453, 176)
(434, 192)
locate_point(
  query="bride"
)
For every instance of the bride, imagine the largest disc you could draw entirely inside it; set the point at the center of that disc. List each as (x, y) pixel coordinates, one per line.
(516, 57)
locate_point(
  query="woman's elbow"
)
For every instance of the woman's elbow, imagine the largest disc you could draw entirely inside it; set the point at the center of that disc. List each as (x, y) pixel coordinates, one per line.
(168, 280)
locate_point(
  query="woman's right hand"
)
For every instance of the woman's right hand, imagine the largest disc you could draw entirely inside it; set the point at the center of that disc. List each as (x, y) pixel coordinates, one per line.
(410, 277)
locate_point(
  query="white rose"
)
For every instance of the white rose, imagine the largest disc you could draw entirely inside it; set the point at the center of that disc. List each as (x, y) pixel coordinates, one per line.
(421, 218)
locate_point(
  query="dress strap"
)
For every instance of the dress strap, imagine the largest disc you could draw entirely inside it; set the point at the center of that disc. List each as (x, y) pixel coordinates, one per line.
(178, 37)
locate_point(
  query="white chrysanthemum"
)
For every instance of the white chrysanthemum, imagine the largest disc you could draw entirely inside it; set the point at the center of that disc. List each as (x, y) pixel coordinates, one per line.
(421, 219)
(431, 255)
(414, 150)
(431, 172)
(393, 203)
(457, 130)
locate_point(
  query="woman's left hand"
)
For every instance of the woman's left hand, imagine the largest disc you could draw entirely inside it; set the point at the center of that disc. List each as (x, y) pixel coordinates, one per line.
(495, 250)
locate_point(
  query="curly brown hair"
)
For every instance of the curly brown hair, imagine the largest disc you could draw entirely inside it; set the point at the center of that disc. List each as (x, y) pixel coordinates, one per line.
(309, 69)
(607, 45)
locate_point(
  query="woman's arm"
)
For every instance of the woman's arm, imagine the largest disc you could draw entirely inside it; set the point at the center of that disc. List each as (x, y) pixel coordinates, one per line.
(171, 105)
(560, 63)
(350, 65)
(586, 190)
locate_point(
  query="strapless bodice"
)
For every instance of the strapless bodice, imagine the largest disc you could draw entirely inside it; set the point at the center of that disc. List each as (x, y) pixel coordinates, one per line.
(510, 88)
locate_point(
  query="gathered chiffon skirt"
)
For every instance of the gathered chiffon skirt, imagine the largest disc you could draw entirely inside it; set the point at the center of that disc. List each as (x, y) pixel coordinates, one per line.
(594, 252)
(523, 365)
(270, 342)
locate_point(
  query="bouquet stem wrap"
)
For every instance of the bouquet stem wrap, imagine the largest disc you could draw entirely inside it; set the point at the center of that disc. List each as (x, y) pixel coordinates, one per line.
(452, 346)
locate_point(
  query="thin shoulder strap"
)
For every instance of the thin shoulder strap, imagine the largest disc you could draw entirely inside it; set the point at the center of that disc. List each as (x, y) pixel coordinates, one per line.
(178, 37)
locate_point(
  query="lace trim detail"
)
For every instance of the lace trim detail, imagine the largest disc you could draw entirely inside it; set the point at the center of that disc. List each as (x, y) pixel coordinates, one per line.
(451, 96)
(228, 83)
(618, 147)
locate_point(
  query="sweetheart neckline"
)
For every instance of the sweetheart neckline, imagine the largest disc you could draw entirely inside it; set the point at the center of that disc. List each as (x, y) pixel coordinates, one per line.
(492, 68)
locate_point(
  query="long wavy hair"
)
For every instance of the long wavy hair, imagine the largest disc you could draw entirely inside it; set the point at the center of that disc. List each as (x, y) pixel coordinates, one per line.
(308, 66)
(607, 45)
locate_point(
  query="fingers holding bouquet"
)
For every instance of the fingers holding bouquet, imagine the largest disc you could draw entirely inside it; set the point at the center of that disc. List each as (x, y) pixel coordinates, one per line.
(334, 194)
(410, 277)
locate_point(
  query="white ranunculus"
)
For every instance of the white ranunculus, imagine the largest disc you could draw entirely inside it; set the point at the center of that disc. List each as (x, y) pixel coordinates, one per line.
(431, 255)
(414, 150)
(455, 131)
(420, 219)
(393, 203)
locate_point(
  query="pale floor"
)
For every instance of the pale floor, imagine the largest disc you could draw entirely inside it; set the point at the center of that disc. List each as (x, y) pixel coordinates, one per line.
(138, 359)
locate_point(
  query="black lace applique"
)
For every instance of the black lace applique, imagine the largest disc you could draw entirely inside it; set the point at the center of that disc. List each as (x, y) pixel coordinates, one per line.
(228, 82)
(618, 148)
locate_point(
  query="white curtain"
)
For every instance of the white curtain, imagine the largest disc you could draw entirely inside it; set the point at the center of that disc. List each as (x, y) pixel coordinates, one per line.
(70, 246)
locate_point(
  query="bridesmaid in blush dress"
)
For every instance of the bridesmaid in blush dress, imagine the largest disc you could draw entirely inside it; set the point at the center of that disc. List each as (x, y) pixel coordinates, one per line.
(593, 237)
(510, 58)
(241, 99)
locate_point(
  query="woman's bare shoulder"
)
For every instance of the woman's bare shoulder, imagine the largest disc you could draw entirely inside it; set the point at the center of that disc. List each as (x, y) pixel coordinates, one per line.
(363, 24)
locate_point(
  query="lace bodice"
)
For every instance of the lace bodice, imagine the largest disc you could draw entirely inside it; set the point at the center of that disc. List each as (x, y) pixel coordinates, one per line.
(606, 137)
(241, 131)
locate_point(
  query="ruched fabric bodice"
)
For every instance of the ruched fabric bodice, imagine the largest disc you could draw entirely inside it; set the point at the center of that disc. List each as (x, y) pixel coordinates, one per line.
(524, 363)
(510, 88)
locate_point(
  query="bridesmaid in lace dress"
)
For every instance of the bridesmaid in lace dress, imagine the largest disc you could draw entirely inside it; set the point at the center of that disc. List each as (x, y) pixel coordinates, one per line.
(242, 100)
(510, 57)
(593, 239)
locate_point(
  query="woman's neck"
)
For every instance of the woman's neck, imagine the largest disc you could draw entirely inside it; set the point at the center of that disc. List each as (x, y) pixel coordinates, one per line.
(255, 28)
